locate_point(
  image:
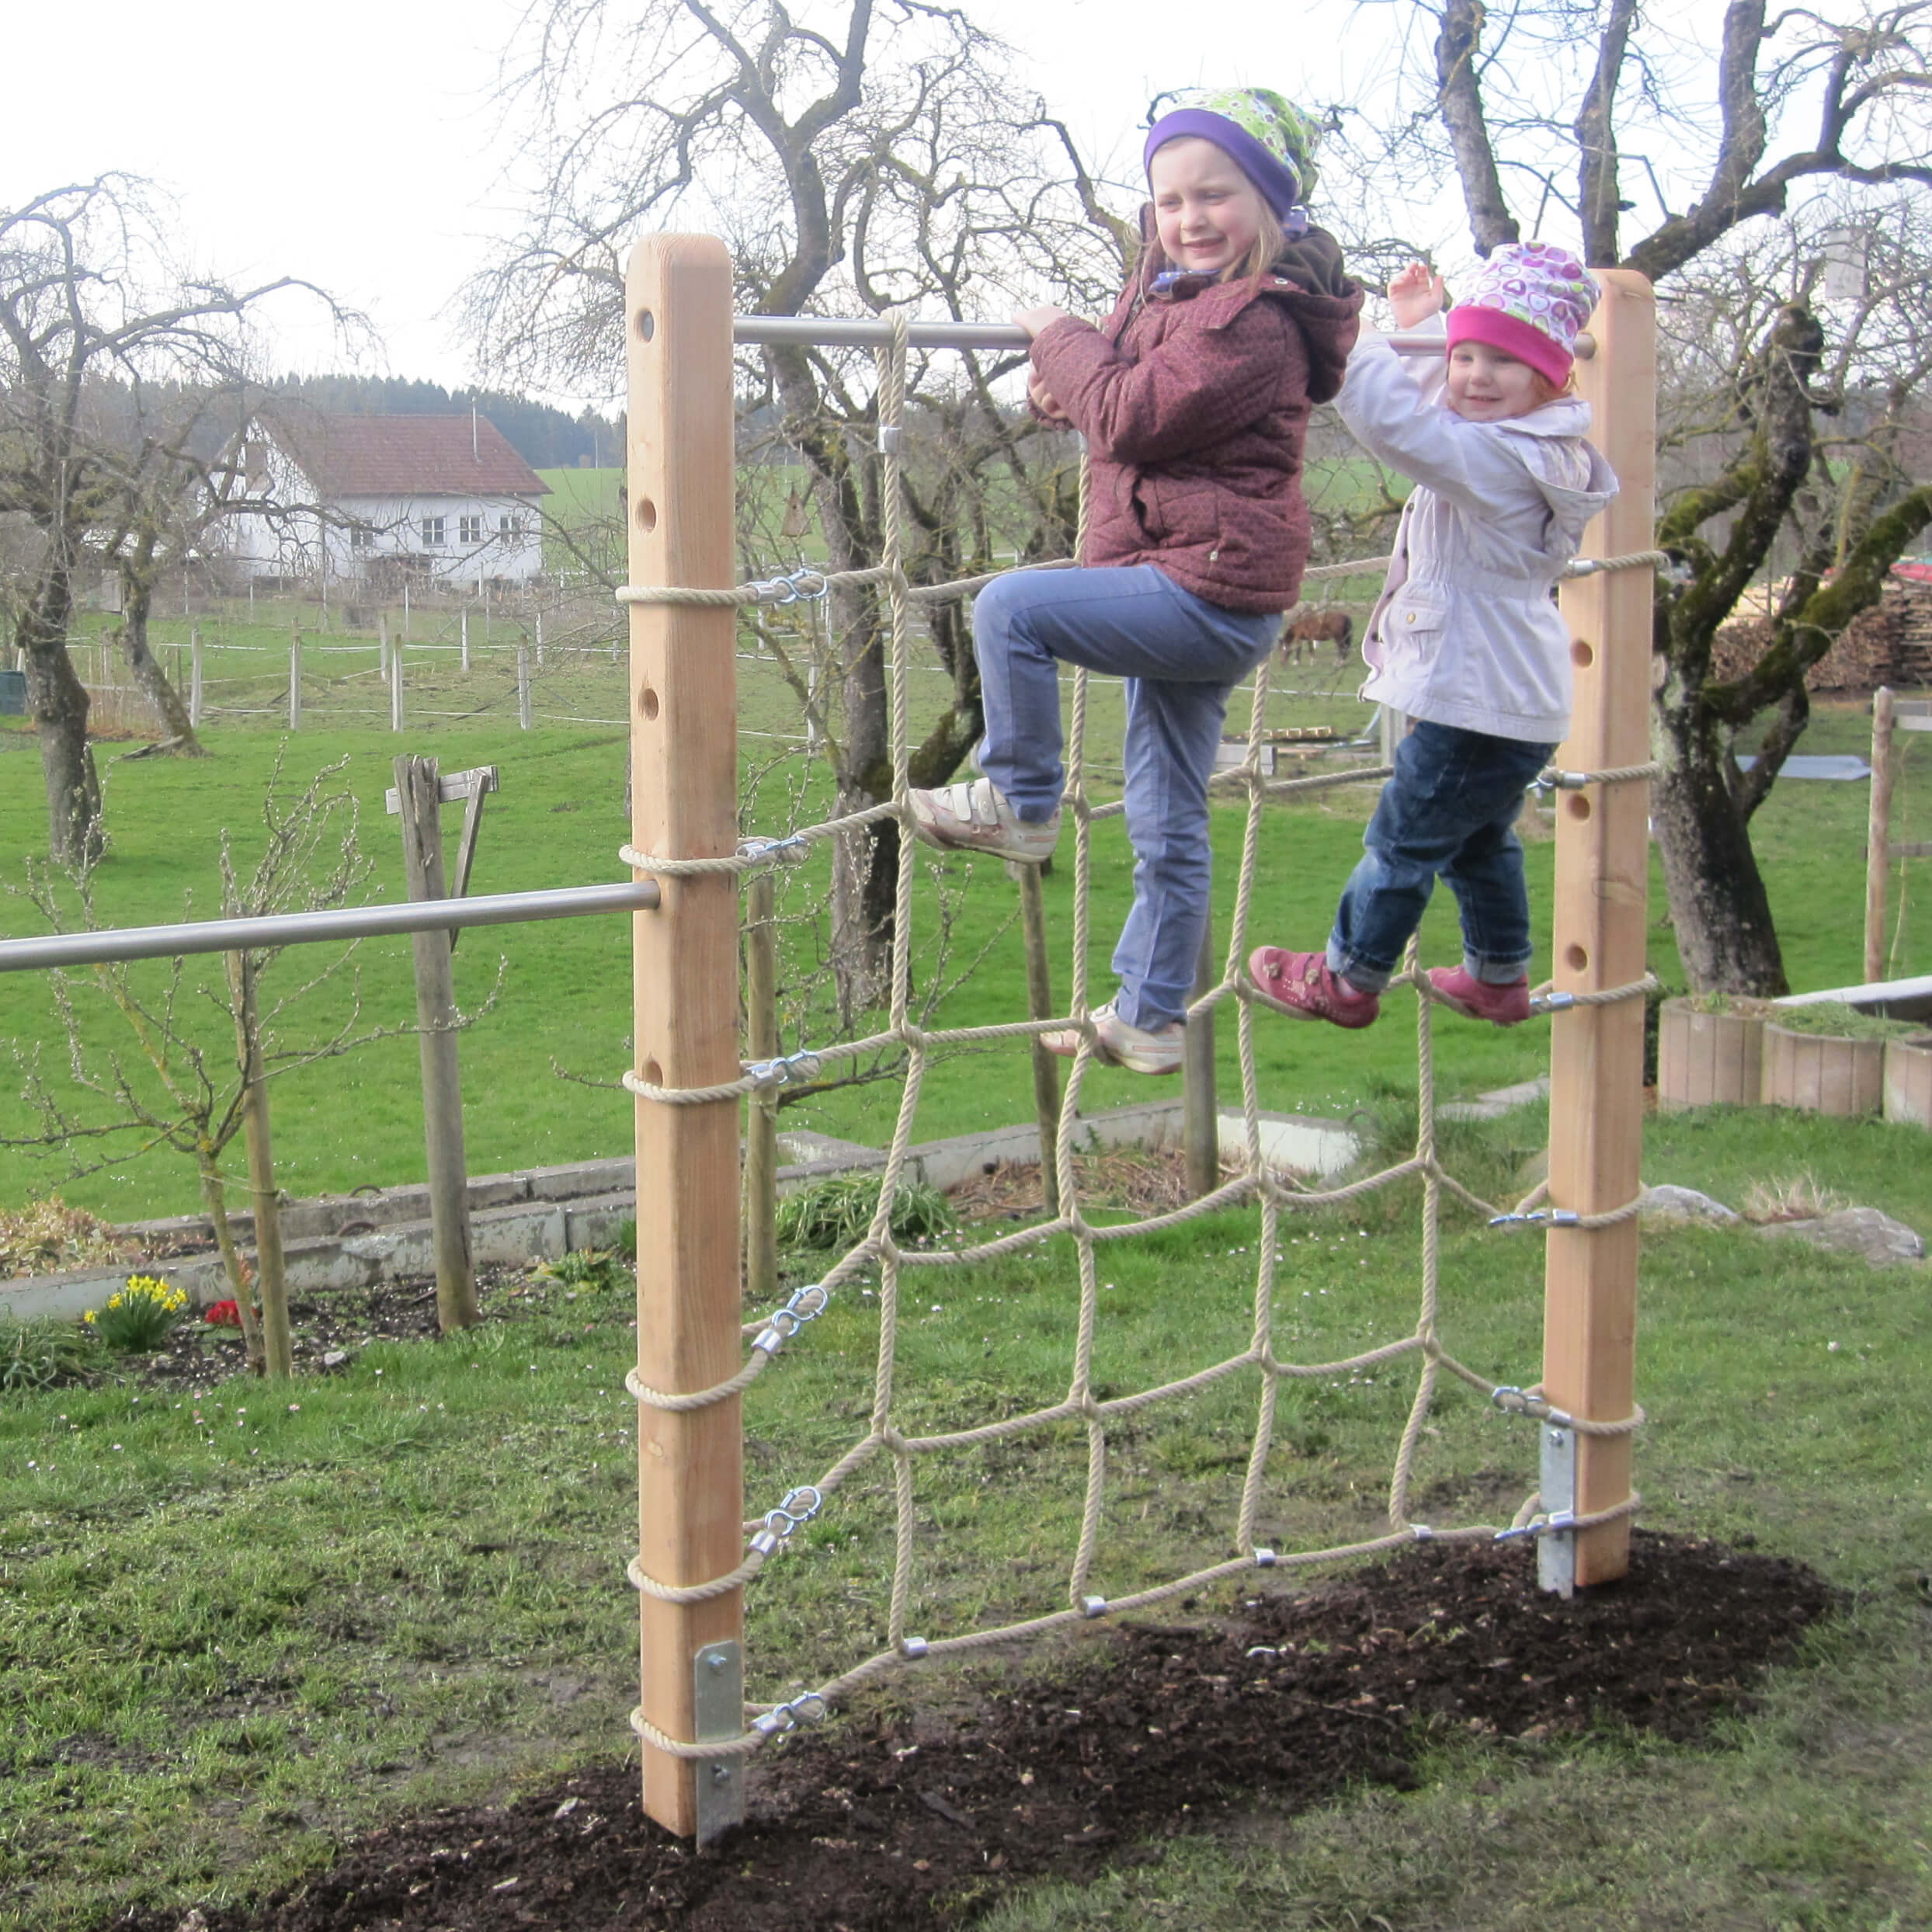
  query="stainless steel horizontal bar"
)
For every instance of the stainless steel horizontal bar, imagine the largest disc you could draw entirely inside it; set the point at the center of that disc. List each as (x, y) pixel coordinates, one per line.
(295, 929)
(753, 332)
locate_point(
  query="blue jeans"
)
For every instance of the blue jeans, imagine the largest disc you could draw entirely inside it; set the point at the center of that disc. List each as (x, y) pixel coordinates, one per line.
(1181, 657)
(1451, 807)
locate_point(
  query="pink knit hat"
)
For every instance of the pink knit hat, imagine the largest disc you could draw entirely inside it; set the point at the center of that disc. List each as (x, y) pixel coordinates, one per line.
(1528, 299)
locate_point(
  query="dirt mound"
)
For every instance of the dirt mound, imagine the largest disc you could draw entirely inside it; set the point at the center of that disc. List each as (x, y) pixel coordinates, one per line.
(891, 1822)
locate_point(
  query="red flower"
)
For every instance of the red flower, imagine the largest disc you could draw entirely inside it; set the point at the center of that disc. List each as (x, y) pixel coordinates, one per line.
(223, 1314)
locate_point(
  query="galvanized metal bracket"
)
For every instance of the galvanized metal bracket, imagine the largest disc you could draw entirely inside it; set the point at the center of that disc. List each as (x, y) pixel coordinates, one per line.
(1556, 1548)
(717, 1712)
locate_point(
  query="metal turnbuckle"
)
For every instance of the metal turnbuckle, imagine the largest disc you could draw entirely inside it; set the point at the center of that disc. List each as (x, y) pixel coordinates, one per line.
(805, 1304)
(788, 1716)
(800, 1505)
(782, 1072)
(789, 851)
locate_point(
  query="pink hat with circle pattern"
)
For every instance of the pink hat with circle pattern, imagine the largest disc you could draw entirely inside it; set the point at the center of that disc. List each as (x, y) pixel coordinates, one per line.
(1528, 299)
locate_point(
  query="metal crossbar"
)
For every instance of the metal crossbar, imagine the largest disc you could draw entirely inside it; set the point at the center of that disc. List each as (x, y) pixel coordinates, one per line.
(293, 929)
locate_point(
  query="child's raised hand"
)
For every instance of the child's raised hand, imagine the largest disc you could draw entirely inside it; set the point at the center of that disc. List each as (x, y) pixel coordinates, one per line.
(1416, 294)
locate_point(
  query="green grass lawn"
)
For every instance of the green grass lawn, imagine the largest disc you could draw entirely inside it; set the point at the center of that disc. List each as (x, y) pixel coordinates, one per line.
(241, 1626)
(564, 999)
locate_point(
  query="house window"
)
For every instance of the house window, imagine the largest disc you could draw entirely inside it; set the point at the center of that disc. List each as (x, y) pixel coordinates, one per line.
(362, 537)
(470, 529)
(509, 526)
(433, 532)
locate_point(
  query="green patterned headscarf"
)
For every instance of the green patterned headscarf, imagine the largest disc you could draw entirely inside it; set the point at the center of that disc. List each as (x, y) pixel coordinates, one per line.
(1268, 138)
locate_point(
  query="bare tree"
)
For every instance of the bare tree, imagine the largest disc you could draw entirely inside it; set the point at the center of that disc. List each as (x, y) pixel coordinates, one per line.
(90, 299)
(880, 160)
(1597, 118)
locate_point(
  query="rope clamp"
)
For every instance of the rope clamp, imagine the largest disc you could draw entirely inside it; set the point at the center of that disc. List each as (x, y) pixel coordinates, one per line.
(1421, 1531)
(1539, 1218)
(1551, 1525)
(1555, 781)
(913, 1647)
(805, 1304)
(782, 1717)
(1512, 1400)
(1264, 1559)
(786, 851)
(1553, 1002)
(1092, 1606)
(888, 439)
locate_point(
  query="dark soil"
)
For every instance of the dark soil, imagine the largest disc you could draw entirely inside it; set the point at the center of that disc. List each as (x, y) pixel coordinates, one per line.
(896, 1819)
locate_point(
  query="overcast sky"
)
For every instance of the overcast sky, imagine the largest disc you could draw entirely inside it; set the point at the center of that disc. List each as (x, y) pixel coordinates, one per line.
(357, 145)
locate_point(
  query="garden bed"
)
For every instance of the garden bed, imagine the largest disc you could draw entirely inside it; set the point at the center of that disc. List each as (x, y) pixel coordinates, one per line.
(897, 1820)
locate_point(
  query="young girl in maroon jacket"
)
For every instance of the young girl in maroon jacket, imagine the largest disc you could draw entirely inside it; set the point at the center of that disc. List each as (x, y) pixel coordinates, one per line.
(1194, 399)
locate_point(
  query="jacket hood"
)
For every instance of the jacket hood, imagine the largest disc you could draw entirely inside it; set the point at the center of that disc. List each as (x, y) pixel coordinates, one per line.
(1554, 470)
(1307, 278)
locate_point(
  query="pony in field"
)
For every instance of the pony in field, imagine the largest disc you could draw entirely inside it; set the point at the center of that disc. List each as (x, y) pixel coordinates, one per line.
(1308, 631)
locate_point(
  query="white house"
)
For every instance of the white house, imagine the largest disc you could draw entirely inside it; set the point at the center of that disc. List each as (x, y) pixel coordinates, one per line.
(382, 497)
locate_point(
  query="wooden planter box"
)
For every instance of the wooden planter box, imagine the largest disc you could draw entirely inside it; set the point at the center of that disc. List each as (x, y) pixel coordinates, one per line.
(1823, 1072)
(1908, 1080)
(1709, 1059)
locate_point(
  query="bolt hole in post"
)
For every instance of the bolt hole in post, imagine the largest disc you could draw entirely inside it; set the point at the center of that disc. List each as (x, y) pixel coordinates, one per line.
(647, 325)
(647, 702)
(647, 515)
(1581, 655)
(1577, 805)
(1576, 958)
(653, 1074)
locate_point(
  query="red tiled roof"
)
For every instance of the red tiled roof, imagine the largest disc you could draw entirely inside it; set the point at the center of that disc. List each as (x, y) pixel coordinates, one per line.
(408, 456)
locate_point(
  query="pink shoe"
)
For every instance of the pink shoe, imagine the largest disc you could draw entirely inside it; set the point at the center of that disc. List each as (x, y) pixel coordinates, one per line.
(1478, 999)
(1301, 986)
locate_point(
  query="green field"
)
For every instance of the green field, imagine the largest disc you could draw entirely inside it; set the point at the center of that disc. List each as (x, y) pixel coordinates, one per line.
(565, 1001)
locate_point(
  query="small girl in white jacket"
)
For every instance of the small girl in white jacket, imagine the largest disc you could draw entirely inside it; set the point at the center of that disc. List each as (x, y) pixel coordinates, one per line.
(1466, 639)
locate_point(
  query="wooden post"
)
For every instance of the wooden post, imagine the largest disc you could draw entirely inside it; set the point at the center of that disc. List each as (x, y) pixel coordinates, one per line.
(684, 790)
(539, 640)
(523, 687)
(278, 1347)
(194, 674)
(1603, 876)
(295, 680)
(1201, 1124)
(382, 640)
(761, 1115)
(1046, 1067)
(395, 686)
(1878, 835)
(417, 793)
(466, 640)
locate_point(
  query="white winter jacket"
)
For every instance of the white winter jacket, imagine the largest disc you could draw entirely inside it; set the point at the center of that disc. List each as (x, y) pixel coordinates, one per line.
(1466, 632)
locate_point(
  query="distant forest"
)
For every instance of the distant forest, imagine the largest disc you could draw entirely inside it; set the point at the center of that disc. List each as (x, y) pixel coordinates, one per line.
(546, 439)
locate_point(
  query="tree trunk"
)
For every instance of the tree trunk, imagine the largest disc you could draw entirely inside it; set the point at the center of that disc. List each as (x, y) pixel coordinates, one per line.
(214, 1193)
(57, 702)
(137, 597)
(278, 1351)
(1718, 906)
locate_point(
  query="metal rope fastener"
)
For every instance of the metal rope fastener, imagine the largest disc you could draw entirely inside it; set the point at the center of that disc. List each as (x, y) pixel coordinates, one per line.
(806, 1305)
(800, 1505)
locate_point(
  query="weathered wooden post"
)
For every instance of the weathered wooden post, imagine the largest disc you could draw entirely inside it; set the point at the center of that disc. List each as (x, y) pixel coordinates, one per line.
(194, 674)
(395, 686)
(418, 795)
(523, 687)
(1603, 877)
(1046, 1068)
(761, 1112)
(684, 791)
(1200, 1122)
(295, 678)
(1878, 835)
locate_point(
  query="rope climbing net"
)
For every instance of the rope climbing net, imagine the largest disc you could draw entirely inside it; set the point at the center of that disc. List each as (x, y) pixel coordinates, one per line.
(1254, 1183)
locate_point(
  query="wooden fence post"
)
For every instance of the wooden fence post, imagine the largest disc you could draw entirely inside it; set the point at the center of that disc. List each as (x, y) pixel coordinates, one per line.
(419, 794)
(1200, 1123)
(395, 686)
(1878, 835)
(684, 766)
(295, 680)
(1046, 1066)
(761, 1116)
(523, 687)
(1603, 877)
(194, 674)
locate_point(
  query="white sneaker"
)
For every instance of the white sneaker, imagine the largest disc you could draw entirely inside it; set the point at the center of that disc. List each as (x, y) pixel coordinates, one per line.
(1117, 1044)
(977, 817)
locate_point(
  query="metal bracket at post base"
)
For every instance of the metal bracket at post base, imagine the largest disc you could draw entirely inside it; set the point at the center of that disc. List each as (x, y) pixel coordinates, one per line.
(717, 1712)
(1556, 1551)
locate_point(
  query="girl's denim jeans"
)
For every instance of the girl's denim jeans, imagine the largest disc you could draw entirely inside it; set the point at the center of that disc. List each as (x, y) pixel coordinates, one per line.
(1449, 808)
(1181, 657)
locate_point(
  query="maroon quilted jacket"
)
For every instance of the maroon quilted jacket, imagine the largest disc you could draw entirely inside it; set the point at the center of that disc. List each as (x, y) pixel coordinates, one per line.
(1194, 402)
